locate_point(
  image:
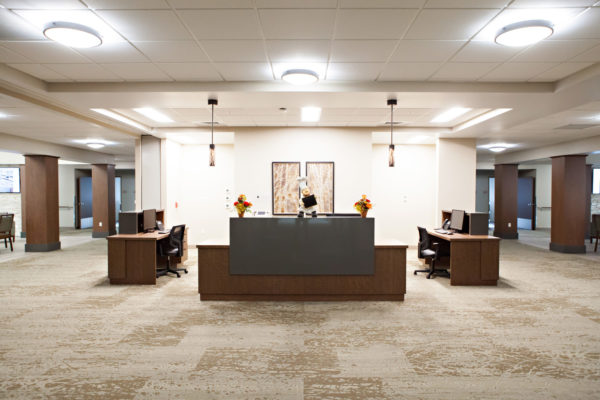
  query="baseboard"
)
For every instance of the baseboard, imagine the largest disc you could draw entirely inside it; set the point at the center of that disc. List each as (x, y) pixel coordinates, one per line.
(507, 235)
(302, 297)
(98, 235)
(41, 247)
(563, 248)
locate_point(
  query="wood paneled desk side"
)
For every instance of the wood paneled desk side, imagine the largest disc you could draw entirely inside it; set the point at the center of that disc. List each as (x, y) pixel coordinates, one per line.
(387, 284)
(474, 259)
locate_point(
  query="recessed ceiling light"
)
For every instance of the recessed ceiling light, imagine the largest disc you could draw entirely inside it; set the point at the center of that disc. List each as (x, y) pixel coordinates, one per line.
(300, 76)
(483, 117)
(153, 114)
(72, 34)
(2, 115)
(450, 114)
(311, 114)
(524, 33)
(120, 118)
(95, 145)
(497, 149)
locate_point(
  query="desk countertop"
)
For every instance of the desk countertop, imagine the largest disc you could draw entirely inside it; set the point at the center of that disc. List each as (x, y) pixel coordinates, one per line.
(389, 243)
(139, 236)
(457, 237)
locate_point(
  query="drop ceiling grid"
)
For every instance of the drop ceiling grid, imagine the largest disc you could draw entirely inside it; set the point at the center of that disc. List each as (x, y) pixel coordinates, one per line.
(370, 51)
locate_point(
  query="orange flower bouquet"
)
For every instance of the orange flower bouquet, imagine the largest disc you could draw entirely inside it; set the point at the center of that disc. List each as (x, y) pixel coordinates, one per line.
(242, 205)
(363, 206)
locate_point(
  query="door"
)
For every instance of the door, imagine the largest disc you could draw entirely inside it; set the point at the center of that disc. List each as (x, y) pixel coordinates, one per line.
(526, 203)
(84, 206)
(117, 197)
(492, 199)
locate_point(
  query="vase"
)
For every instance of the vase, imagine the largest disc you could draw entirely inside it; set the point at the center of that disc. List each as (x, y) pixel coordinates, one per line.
(363, 214)
(241, 214)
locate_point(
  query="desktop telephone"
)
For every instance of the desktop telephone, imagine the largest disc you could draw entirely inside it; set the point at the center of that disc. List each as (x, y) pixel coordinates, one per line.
(446, 224)
(160, 226)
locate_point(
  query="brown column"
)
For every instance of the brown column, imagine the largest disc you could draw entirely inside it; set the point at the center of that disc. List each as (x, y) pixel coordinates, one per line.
(41, 203)
(567, 234)
(506, 178)
(103, 200)
(588, 200)
(23, 191)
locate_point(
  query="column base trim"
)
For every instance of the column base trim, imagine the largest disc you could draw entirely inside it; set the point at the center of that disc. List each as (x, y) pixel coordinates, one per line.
(507, 235)
(97, 235)
(23, 235)
(564, 248)
(41, 247)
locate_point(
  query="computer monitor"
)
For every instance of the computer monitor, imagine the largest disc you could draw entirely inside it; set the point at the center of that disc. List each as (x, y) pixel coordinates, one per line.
(149, 220)
(457, 219)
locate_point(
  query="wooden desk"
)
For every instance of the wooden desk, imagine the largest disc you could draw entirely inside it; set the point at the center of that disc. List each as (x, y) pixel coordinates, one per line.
(474, 259)
(132, 258)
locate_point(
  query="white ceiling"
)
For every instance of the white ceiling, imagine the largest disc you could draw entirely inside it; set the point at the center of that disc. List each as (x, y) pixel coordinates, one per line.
(174, 54)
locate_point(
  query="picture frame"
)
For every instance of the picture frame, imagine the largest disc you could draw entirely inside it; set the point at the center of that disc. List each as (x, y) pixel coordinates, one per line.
(285, 188)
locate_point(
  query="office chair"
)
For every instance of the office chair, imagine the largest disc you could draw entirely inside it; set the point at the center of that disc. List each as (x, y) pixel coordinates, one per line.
(595, 230)
(171, 246)
(6, 227)
(430, 251)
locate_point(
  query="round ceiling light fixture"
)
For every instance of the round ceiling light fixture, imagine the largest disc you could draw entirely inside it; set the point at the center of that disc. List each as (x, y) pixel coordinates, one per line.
(497, 149)
(95, 145)
(524, 33)
(72, 35)
(300, 76)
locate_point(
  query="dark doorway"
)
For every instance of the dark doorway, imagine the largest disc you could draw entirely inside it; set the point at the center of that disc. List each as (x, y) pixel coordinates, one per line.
(526, 203)
(83, 218)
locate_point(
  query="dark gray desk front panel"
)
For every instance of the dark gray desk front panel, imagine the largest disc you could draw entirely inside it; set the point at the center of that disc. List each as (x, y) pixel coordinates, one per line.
(302, 246)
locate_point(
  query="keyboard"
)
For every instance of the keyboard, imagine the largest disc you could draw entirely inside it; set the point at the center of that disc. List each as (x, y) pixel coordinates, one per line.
(444, 231)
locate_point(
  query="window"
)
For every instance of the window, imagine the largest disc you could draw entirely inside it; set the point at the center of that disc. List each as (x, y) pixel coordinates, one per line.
(596, 181)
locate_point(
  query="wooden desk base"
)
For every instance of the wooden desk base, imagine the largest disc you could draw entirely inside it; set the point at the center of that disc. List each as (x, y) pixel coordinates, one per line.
(387, 284)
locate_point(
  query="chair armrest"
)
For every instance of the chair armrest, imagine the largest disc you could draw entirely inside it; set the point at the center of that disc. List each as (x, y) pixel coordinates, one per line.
(435, 246)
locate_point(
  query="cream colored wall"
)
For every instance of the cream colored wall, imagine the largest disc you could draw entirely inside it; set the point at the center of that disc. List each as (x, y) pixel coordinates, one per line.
(456, 170)
(66, 195)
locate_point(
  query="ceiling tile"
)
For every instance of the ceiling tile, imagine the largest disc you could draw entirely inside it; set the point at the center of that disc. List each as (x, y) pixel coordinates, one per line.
(425, 50)
(296, 3)
(551, 3)
(555, 50)
(190, 71)
(113, 53)
(485, 52)
(297, 24)
(353, 71)
(408, 71)
(516, 72)
(585, 26)
(84, 72)
(195, 4)
(46, 52)
(43, 4)
(462, 71)
(146, 25)
(180, 51)
(592, 55)
(466, 3)
(39, 71)
(127, 4)
(560, 71)
(362, 50)
(235, 50)
(449, 24)
(223, 24)
(245, 71)
(138, 71)
(381, 3)
(14, 28)
(373, 24)
(298, 50)
(9, 56)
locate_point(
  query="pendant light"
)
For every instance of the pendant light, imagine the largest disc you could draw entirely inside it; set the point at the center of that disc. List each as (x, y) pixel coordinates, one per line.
(391, 103)
(211, 154)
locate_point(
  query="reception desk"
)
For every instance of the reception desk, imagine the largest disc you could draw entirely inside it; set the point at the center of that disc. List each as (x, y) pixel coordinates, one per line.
(302, 259)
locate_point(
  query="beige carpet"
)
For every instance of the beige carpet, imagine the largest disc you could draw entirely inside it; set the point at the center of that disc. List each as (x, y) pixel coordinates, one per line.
(65, 333)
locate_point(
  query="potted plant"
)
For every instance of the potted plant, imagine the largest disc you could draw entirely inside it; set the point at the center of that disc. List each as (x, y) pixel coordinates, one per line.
(363, 206)
(242, 205)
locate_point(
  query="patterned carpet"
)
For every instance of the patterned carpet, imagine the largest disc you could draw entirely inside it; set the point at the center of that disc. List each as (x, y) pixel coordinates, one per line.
(65, 333)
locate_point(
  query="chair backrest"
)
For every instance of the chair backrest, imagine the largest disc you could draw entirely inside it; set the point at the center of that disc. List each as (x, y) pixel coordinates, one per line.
(176, 238)
(423, 241)
(596, 222)
(6, 223)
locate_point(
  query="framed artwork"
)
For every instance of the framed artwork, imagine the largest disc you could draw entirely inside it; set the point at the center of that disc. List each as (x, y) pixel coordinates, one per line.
(320, 179)
(286, 189)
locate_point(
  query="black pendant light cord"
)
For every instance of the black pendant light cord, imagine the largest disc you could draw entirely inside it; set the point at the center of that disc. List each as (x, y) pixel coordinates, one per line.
(212, 124)
(392, 125)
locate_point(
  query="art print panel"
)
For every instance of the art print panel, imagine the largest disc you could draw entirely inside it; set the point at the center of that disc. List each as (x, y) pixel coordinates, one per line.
(286, 189)
(320, 179)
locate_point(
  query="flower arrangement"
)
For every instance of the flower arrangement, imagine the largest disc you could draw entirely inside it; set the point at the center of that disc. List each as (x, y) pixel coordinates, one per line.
(242, 205)
(363, 205)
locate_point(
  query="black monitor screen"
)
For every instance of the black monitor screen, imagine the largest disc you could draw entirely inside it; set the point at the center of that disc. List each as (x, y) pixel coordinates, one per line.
(456, 220)
(149, 219)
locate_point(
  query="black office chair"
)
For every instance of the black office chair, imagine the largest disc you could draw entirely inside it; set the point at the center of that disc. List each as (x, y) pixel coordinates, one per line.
(171, 246)
(429, 251)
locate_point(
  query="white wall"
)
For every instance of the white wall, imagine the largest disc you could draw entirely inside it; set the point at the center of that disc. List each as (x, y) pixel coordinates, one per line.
(543, 193)
(150, 172)
(456, 169)
(66, 195)
(403, 196)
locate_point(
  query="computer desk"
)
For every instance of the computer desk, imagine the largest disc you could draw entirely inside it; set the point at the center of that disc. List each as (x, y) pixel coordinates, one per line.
(132, 258)
(474, 259)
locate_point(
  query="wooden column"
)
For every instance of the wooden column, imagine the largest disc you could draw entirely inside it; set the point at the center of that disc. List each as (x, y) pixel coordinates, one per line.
(569, 189)
(588, 199)
(103, 200)
(23, 191)
(506, 178)
(41, 203)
